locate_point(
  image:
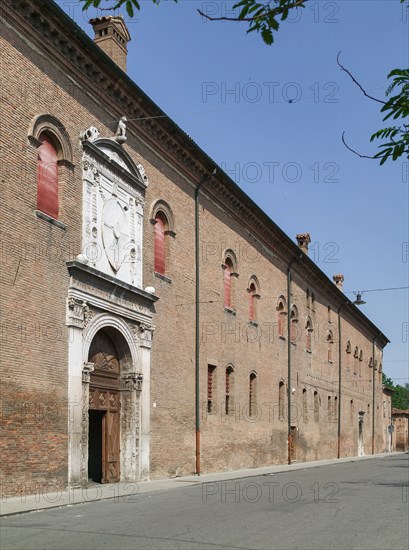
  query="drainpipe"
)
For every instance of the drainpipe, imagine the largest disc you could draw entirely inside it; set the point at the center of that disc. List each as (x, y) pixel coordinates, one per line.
(339, 377)
(373, 393)
(197, 327)
(289, 439)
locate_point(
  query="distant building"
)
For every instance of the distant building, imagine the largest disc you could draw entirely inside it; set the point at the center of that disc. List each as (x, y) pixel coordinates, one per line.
(400, 434)
(120, 360)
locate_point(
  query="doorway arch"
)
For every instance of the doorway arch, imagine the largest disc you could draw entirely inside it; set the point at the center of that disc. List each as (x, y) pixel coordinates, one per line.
(104, 407)
(111, 406)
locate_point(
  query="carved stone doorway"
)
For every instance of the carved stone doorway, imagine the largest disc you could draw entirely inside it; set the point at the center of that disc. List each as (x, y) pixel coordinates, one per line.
(104, 406)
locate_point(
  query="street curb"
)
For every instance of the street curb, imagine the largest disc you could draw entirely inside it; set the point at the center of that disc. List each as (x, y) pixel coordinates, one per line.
(127, 492)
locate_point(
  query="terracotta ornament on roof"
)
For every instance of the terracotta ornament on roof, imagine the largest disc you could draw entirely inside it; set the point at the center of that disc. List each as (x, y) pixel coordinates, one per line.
(120, 135)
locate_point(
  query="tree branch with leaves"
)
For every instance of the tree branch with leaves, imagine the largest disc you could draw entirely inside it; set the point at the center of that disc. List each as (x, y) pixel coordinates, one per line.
(265, 18)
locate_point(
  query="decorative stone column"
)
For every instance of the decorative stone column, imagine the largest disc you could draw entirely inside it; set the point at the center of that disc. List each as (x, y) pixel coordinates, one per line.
(75, 321)
(130, 386)
(145, 334)
(86, 378)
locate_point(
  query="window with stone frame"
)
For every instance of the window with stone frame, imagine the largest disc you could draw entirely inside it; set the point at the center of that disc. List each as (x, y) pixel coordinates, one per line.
(230, 275)
(54, 165)
(316, 407)
(294, 324)
(161, 217)
(281, 400)
(252, 394)
(304, 406)
(313, 302)
(160, 228)
(330, 347)
(211, 388)
(47, 175)
(253, 291)
(356, 359)
(229, 390)
(281, 316)
(308, 335)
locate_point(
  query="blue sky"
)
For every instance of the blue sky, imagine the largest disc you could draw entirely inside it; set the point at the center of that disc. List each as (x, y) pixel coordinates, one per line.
(272, 117)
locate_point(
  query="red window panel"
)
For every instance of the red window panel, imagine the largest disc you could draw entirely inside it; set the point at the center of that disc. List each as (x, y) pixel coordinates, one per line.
(159, 245)
(227, 286)
(280, 324)
(47, 178)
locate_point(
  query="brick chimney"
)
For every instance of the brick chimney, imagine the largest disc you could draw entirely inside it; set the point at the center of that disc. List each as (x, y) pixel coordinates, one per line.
(112, 36)
(303, 240)
(339, 281)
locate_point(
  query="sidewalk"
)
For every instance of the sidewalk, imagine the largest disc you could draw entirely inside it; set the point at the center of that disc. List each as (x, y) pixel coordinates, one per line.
(128, 491)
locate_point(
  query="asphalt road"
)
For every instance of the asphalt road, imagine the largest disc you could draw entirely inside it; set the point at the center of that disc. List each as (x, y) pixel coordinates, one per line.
(362, 505)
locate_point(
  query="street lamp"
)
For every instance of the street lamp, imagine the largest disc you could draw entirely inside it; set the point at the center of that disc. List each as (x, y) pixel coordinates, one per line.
(359, 301)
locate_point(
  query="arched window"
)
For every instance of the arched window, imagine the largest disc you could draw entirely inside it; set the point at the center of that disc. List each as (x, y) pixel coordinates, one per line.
(336, 408)
(227, 283)
(330, 345)
(229, 266)
(313, 302)
(253, 394)
(356, 358)
(308, 298)
(304, 406)
(308, 335)
(360, 359)
(348, 348)
(54, 163)
(294, 324)
(329, 410)
(316, 407)
(253, 290)
(160, 228)
(47, 176)
(229, 390)
(281, 400)
(281, 316)
(161, 217)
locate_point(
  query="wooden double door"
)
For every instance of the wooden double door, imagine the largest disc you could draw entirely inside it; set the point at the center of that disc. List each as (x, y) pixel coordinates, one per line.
(104, 409)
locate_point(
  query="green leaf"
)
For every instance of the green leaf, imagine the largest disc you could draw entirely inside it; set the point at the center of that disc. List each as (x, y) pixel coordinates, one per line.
(267, 36)
(129, 8)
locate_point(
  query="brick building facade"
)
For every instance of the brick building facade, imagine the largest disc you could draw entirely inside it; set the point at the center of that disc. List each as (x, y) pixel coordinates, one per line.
(244, 355)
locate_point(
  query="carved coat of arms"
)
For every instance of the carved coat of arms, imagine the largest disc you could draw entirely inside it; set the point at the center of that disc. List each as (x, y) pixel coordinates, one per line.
(115, 233)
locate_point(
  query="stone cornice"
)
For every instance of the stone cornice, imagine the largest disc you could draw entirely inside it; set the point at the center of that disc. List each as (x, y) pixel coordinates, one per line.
(52, 31)
(84, 272)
